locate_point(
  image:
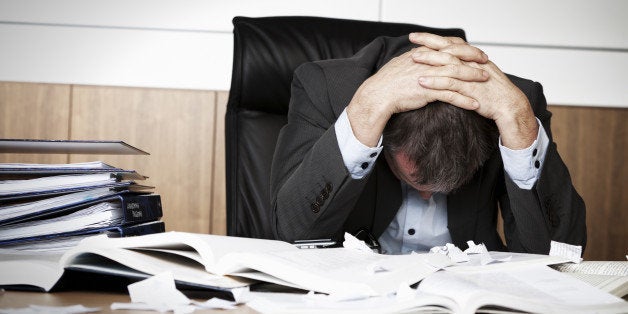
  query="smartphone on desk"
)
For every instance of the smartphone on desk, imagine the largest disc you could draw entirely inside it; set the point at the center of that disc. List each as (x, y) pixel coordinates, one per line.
(314, 243)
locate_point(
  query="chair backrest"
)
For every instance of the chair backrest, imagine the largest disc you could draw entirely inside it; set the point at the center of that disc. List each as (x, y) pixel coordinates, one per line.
(266, 52)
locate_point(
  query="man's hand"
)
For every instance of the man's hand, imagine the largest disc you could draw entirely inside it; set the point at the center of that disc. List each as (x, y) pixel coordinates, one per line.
(395, 87)
(499, 99)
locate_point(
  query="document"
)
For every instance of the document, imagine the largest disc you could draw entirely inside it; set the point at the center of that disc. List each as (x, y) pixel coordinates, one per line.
(205, 260)
(532, 288)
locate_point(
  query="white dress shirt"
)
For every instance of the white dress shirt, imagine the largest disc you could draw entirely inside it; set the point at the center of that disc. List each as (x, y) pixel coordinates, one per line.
(422, 224)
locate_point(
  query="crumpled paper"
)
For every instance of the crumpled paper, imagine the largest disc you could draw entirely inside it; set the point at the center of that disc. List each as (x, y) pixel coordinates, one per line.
(568, 251)
(354, 243)
(159, 293)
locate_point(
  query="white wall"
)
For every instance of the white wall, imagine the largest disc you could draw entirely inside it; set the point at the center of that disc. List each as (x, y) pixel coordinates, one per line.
(578, 49)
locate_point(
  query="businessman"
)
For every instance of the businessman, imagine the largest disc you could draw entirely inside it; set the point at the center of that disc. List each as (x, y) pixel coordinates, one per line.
(418, 140)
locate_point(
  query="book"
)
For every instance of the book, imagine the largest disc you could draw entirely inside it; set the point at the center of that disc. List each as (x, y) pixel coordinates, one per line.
(214, 262)
(609, 276)
(530, 288)
(111, 212)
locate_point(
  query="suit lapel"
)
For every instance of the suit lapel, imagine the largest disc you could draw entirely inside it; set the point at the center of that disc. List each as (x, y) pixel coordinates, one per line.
(388, 198)
(462, 211)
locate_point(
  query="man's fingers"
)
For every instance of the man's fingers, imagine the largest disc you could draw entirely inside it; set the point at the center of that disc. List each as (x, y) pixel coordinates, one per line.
(430, 40)
(435, 58)
(456, 40)
(446, 83)
(455, 99)
(452, 45)
(466, 52)
(457, 71)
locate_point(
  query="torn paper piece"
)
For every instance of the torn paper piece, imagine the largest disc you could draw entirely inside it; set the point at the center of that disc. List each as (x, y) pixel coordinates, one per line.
(456, 255)
(352, 242)
(215, 304)
(439, 250)
(453, 252)
(241, 295)
(475, 248)
(158, 291)
(486, 258)
(438, 261)
(570, 252)
(179, 309)
(72, 309)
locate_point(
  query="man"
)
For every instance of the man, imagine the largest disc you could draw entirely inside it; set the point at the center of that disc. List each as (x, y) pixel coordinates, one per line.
(328, 176)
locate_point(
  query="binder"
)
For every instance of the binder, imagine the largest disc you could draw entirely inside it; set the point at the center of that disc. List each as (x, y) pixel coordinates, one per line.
(124, 197)
(15, 171)
(131, 210)
(70, 184)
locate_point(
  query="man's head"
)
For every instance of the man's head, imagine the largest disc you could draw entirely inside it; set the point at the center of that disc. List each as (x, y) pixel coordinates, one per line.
(439, 147)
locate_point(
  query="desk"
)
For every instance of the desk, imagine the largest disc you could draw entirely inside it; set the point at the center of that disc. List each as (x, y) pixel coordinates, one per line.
(15, 299)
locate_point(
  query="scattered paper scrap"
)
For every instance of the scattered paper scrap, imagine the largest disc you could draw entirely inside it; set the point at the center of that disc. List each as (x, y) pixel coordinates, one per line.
(453, 252)
(486, 258)
(475, 248)
(181, 309)
(241, 295)
(216, 304)
(158, 290)
(568, 251)
(72, 309)
(352, 242)
(159, 293)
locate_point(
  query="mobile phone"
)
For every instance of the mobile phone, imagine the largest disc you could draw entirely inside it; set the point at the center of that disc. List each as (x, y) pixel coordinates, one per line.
(314, 243)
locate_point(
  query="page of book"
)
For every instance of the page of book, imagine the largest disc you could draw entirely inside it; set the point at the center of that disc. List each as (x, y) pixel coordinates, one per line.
(533, 289)
(209, 248)
(324, 270)
(33, 269)
(612, 268)
(340, 270)
(108, 261)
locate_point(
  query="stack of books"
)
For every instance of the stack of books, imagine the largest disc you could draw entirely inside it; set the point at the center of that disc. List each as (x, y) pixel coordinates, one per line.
(46, 206)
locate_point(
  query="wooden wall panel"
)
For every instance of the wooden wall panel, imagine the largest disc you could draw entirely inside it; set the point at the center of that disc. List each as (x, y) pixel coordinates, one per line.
(175, 126)
(593, 142)
(184, 132)
(34, 111)
(219, 197)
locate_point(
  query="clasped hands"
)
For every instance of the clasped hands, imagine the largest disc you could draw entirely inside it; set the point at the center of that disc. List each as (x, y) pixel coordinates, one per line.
(444, 69)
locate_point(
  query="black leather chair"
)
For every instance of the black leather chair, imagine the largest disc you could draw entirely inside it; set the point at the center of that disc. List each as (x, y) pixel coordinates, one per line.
(266, 52)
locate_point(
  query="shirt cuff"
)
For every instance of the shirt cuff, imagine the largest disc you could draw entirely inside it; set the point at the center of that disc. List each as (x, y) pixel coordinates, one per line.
(524, 166)
(358, 158)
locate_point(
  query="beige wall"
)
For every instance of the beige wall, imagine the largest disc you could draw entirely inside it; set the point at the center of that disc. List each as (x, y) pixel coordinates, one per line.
(183, 130)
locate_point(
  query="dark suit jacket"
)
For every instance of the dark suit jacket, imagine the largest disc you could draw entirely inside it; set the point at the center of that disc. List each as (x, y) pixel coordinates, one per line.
(314, 195)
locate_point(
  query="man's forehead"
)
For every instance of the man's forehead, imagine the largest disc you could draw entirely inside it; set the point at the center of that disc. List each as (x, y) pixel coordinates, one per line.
(404, 164)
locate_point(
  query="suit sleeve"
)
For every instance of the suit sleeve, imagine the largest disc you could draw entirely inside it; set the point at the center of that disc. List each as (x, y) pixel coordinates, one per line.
(552, 209)
(312, 192)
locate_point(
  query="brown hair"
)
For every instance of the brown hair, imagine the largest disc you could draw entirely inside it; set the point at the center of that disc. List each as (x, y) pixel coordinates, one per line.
(447, 143)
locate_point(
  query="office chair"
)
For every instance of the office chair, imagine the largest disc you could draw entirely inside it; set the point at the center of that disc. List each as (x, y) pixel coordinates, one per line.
(266, 52)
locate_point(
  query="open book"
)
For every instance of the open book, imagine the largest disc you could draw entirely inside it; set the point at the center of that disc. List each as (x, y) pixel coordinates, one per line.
(203, 260)
(609, 276)
(525, 288)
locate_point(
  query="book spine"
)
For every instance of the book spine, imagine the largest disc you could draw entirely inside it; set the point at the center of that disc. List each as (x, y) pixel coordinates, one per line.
(140, 208)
